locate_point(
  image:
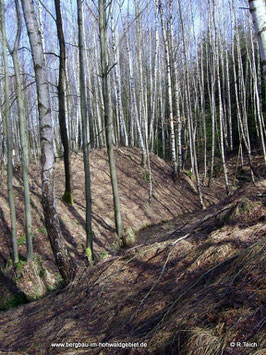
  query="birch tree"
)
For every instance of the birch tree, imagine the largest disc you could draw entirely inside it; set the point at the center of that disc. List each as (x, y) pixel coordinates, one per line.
(221, 113)
(23, 134)
(169, 91)
(154, 77)
(133, 97)
(9, 140)
(258, 12)
(117, 81)
(257, 105)
(64, 261)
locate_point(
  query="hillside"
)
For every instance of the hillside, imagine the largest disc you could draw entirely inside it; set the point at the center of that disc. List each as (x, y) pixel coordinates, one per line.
(194, 287)
(195, 282)
(169, 200)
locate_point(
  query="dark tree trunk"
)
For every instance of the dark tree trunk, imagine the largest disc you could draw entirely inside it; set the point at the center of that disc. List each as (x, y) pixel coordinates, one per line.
(84, 117)
(68, 195)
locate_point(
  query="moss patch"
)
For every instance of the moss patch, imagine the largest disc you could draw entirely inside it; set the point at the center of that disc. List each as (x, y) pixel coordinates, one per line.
(88, 254)
(22, 240)
(129, 237)
(104, 255)
(19, 266)
(189, 174)
(68, 198)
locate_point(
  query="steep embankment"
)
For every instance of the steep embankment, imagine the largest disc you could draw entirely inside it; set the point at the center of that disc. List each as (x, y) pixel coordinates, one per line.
(169, 200)
(197, 287)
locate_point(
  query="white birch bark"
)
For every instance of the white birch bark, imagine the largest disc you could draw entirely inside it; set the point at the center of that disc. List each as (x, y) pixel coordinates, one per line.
(64, 262)
(23, 136)
(117, 82)
(243, 121)
(133, 99)
(162, 107)
(211, 89)
(9, 140)
(258, 12)
(141, 81)
(202, 104)
(229, 108)
(169, 91)
(154, 76)
(221, 114)
(176, 91)
(187, 90)
(257, 96)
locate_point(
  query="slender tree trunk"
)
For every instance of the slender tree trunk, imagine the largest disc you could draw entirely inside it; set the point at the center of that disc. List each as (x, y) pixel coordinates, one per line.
(258, 12)
(84, 118)
(187, 89)
(169, 90)
(243, 97)
(65, 263)
(221, 114)
(229, 106)
(68, 194)
(118, 88)
(108, 116)
(202, 104)
(192, 131)
(211, 87)
(257, 97)
(9, 140)
(154, 77)
(23, 136)
(134, 103)
(142, 84)
(176, 91)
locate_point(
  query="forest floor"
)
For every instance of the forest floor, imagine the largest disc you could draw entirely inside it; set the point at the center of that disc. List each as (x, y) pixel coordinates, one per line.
(191, 285)
(169, 200)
